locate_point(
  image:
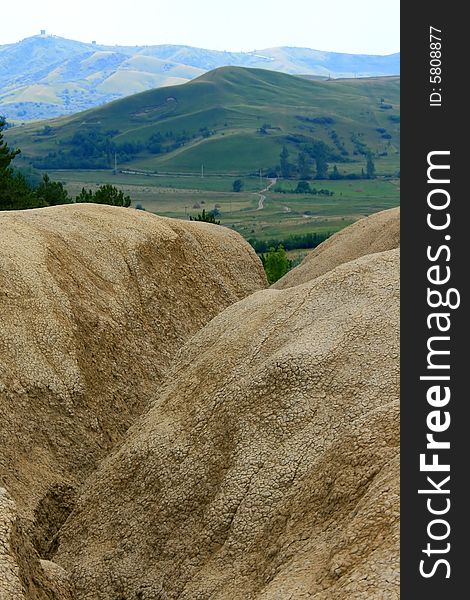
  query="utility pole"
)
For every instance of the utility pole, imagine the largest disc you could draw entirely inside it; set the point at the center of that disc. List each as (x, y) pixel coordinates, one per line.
(115, 163)
(202, 171)
(260, 178)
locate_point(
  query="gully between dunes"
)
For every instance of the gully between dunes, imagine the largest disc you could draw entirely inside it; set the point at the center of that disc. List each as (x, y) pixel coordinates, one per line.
(172, 430)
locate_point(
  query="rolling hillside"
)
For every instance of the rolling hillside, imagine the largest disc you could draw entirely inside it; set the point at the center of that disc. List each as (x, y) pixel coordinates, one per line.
(47, 76)
(231, 120)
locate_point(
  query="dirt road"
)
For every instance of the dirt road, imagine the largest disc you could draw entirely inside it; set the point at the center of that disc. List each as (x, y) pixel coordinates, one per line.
(262, 197)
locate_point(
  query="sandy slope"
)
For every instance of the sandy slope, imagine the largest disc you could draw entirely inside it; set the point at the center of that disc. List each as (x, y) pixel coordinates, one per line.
(94, 303)
(267, 467)
(379, 232)
(262, 460)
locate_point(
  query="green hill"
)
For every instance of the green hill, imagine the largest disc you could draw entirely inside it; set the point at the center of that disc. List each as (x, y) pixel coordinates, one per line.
(231, 120)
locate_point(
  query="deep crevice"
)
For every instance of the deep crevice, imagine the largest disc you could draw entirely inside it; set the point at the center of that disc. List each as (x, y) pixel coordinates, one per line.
(50, 514)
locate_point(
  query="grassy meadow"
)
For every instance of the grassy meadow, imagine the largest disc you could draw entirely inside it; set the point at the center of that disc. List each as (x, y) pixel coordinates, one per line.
(284, 214)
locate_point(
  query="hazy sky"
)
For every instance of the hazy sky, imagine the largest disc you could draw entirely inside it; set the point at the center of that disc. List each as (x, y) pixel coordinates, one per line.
(357, 26)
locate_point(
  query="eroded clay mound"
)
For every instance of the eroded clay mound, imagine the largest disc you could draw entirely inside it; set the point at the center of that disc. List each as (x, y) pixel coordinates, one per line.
(10, 581)
(377, 233)
(267, 468)
(94, 302)
(23, 576)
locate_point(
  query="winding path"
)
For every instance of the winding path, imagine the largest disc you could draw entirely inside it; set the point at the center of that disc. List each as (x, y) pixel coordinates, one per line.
(262, 197)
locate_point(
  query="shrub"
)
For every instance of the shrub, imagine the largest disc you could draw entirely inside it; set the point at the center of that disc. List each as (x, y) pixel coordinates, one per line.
(303, 187)
(237, 185)
(276, 263)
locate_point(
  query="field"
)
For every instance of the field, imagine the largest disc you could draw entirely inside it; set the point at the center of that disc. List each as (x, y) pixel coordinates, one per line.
(284, 214)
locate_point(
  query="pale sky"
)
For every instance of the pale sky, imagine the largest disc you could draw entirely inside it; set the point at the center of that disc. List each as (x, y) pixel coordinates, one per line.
(356, 26)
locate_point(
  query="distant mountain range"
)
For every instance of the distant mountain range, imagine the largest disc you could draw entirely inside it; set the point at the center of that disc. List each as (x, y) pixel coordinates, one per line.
(45, 76)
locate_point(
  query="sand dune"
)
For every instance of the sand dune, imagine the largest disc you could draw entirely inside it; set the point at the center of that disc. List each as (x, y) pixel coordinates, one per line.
(377, 233)
(95, 301)
(267, 467)
(172, 430)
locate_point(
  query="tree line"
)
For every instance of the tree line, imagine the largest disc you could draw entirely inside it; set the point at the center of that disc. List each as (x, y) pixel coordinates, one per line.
(17, 193)
(91, 148)
(293, 242)
(313, 162)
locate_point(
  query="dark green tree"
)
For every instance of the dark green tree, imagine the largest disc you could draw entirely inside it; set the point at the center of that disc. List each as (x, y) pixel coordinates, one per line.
(304, 165)
(286, 167)
(109, 194)
(237, 185)
(276, 263)
(84, 196)
(6, 153)
(53, 192)
(303, 187)
(105, 194)
(322, 166)
(335, 174)
(15, 191)
(320, 153)
(207, 217)
(370, 167)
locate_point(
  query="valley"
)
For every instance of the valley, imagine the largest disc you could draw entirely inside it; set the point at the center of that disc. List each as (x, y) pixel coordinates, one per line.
(283, 214)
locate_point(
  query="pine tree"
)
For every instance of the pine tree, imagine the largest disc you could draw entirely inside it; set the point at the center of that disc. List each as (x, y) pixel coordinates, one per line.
(108, 194)
(206, 217)
(370, 167)
(6, 154)
(319, 151)
(303, 187)
(15, 191)
(322, 166)
(53, 192)
(304, 165)
(335, 174)
(105, 194)
(84, 196)
(237, 185)
(286, 167)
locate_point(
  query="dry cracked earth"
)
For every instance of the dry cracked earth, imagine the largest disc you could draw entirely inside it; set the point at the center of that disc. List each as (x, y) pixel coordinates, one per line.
(172, 429)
